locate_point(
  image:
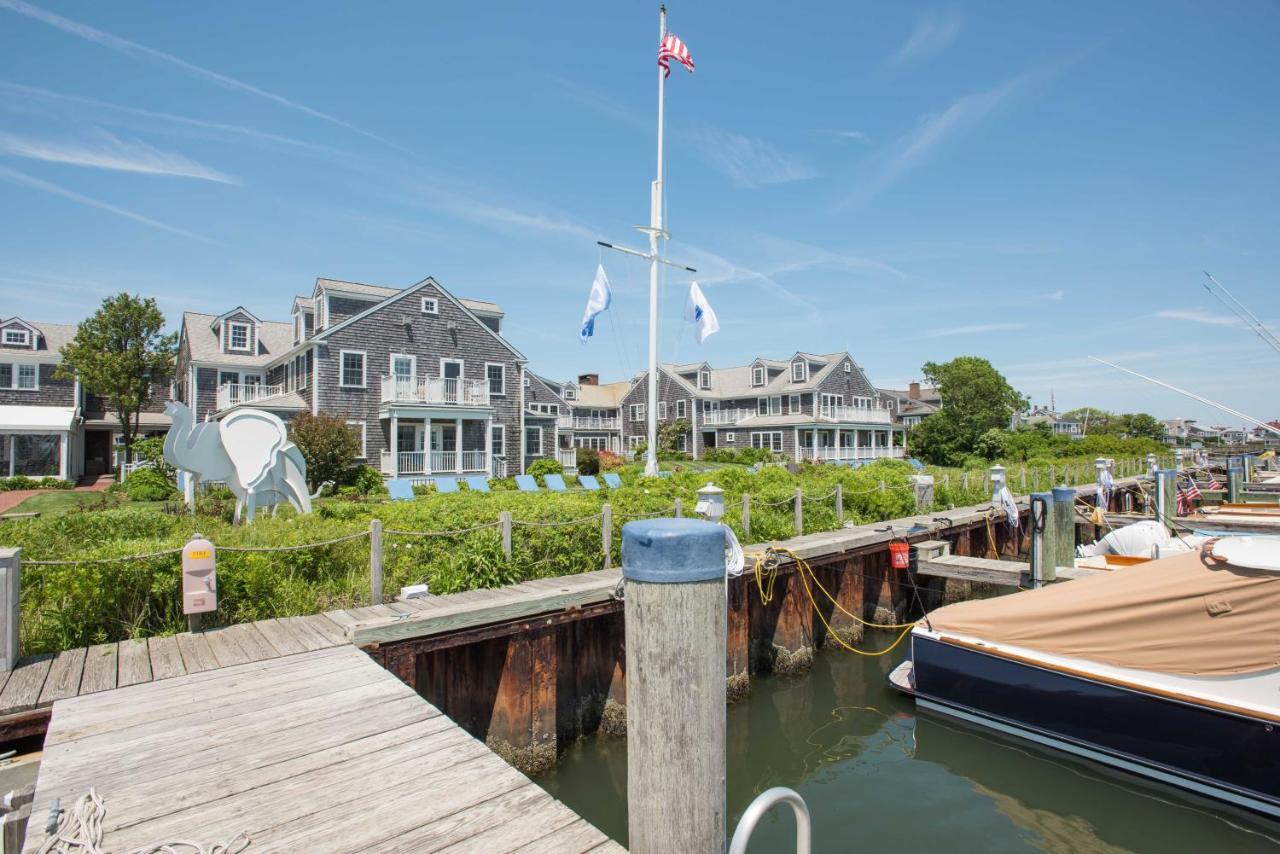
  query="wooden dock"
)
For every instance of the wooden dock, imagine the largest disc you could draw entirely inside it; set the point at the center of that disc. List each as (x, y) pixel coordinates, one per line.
(934, 559)
(320, 751)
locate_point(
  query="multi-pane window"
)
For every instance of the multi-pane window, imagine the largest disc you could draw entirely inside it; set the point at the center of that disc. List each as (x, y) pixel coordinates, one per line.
(497, 376)
(238, 336)
(24, 377)
(680, 408)
(637, 411)
(499, 440)
(228, 378)
(430, 305)
(17, 337)
(704, 379)
(533, 441)
(403, 367)
(757, 375)
(793, 404)
(769, 405)
(730, 438)
(27, 377)
(771, 440)
(799, 371)
(662, 410)
(598, 443)
(352, 374)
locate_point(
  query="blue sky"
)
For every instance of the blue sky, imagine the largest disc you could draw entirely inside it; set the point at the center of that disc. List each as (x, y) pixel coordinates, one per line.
(1030, 183)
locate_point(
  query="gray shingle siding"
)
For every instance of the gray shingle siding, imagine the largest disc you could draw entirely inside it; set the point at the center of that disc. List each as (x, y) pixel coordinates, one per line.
(159, 396)
(341, 308)
(426, 337)
(669, 391)
(206, 392)
(50, 393)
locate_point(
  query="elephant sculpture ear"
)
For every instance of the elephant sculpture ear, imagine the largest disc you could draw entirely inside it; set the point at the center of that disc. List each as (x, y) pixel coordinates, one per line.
(252, 440)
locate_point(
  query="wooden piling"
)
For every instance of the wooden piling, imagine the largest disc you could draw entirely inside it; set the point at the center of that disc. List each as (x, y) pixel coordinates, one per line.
(799, 508)
(746, 517)
(504, 522)
(606, 533)
(840, 504)
(10, 598)
(375, 561)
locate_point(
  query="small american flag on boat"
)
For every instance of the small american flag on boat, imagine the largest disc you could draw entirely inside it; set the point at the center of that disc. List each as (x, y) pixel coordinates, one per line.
(1193, 491)
(672, 48)
(1213, 484)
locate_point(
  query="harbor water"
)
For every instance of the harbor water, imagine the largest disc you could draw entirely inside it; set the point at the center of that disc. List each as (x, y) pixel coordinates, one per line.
(877, 777)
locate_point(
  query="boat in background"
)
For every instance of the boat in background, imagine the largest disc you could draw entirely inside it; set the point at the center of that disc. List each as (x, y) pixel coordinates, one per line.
(1169, 669)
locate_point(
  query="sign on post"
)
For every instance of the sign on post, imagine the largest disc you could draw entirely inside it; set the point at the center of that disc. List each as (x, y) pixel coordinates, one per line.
(199, 577)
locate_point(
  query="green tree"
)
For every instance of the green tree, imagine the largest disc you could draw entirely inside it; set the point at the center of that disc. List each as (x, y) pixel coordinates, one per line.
(975, 398)
(117, 353)
(327, 444)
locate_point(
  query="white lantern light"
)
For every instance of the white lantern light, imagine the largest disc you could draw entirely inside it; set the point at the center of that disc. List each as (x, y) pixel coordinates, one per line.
(710, 504)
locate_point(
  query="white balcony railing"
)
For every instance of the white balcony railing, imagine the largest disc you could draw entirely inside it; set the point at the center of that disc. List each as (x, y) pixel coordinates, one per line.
(434, 462)
(436, 390)
(719, 417)
(849, 453)
(234, 394)
(567, 457)
(583, 422)
(856, 414)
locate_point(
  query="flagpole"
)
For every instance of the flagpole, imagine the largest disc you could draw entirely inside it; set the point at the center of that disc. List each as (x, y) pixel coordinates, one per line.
(655, 234)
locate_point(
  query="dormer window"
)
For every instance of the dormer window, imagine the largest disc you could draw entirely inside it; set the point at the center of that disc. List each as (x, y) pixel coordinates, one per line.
(237, 336)
(17, 337)
(757, 375)
(430, 305)
(569, 393)
(799, 371)
(704, 379)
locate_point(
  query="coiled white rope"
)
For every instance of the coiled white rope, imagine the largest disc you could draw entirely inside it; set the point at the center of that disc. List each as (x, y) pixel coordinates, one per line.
(79, 831)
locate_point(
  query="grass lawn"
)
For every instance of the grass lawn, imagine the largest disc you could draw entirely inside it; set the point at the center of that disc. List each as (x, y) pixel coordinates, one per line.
(59, 501)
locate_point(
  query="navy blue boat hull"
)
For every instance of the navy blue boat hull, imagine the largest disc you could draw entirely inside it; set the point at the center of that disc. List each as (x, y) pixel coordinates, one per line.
(1231, 757)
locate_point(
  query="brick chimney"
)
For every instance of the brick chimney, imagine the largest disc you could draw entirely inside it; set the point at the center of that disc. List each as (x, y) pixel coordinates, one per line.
(588, 379)
(913, 391)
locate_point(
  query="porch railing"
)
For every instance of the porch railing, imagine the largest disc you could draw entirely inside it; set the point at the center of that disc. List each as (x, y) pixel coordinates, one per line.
(583, 422)
(856, 414)
(436, 390)
(717, 417)
(235, 394)
(434, 462)
(849, 453)
(567, 457)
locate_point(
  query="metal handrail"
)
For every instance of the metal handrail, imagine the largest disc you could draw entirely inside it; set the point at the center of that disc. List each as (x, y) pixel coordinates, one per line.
(764, 802)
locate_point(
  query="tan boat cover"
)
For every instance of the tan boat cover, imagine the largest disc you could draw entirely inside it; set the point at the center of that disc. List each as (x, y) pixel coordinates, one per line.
(1187, 614)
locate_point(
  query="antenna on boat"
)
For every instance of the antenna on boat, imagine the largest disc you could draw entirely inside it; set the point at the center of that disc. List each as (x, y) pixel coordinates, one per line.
(1248, 317)
(1219, 406)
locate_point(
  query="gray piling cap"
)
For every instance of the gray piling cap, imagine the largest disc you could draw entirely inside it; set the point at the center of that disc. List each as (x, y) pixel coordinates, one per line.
(1047, 496)
(672, 551)
(1167, 472)
(1064, 493)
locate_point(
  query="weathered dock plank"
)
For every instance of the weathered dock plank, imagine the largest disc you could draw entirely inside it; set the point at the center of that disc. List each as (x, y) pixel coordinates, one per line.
(22, 691)
(100, 668)
(134, 665)
(197, 653)
(64, 676)
(282, 637)
(166, 658)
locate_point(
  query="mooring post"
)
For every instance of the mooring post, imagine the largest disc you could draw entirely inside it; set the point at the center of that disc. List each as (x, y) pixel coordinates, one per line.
(1064, 522)
(504, 523)
(1022, 481)
(375, 561)
(11, 593)
(840, 504)
(606, 534)
(676, 648)
(922, 486)
(1177, 459)
(746, 517)
(1166, 497)
(1042, 537)
(799, 511)
(679, 509)
(1235, 484)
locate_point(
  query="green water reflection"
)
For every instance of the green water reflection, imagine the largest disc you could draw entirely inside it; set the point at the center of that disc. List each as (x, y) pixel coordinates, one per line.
(877, 778)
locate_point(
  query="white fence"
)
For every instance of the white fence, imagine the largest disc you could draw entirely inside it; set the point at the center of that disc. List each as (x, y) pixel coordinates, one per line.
(435, 462)
(435, 390)
(235, 394)
(582, 422)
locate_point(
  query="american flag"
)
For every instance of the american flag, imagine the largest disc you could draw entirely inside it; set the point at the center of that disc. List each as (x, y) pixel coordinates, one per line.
(672, 48)
(1213, 484)
(1193, 491)
(1184, 503)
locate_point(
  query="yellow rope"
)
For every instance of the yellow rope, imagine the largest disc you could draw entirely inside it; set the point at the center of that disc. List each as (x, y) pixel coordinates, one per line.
(766, 575)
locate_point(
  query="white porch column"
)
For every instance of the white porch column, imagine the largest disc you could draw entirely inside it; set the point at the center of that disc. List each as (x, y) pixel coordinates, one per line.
(816, 453)
(457, 445)
(64, 448)
(855, 444)
(798, 454)
(488, 445)
(395, 445)
(694, 435)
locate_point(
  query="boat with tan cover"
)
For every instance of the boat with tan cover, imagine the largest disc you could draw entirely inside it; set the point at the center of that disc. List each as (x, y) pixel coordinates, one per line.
(1169, 669)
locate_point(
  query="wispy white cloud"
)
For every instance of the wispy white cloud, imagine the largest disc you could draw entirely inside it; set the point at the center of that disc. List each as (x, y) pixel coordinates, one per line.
(465, 203)
(715, 269)
(1055, 296)
(139, 51)
(748, 162)
(106, 151)
(932, 132)
(32, 98)
(1195, 315)
(16, 177)
(854, 135)
(976, 329)
(932, 33)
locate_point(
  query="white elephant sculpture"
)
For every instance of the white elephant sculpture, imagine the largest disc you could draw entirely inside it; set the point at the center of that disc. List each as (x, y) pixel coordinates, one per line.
(249, 450)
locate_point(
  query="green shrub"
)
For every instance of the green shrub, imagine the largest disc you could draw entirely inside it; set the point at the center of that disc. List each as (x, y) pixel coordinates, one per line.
(544, 466)
(148, 484)
(151, 451)
(328, 446)
(20, 481)
(588, 461)
(54, 483)
(368, 481)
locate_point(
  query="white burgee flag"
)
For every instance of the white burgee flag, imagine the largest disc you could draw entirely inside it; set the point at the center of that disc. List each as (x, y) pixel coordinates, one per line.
(597, 301)
(699, 312)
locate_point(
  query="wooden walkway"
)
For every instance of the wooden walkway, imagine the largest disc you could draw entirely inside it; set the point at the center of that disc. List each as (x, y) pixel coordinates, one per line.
(320, 751)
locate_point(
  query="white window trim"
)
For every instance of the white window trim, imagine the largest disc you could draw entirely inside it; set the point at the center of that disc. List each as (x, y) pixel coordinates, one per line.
(635, 441)
(413, 363)
(538, 451)
(848, 367)
(232, 325)
(768, 434)
(704, 379)
(795, 404)
(502, 429)
(364, 368)
(15, 370)
(462, 367)
(637, 412)
(662, 410)
(488, 381)
(681, 410)
(364, 438)
(730, 438)
(433, 302)
(757, 370)
(803, 370)
(775, 405)
(26, 337)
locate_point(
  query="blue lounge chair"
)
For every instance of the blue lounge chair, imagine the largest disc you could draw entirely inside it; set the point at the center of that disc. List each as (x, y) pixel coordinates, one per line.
(446, 484)
(664, 474)
(477, 483)
(555, 482)
(754, 468)
(589, 482)
(401, 489)
(612, 480)
(526, 483)
(916, 464)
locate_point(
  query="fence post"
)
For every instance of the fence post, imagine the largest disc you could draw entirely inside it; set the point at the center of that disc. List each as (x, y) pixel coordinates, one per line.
(964, 481)
(1022, 480)
(504, 521)
(1064, 522)
(1043, 533)
(840, 504)
(1166, 496)
(746, 517)
(1235, 484)
(679, 509)
(11, 596)
(375, 560)
(799, 511)
(922, 486)
(676, 692)
(606, 534)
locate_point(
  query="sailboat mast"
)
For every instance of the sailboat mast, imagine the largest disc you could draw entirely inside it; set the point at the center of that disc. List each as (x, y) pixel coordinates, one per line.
(655, 234)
